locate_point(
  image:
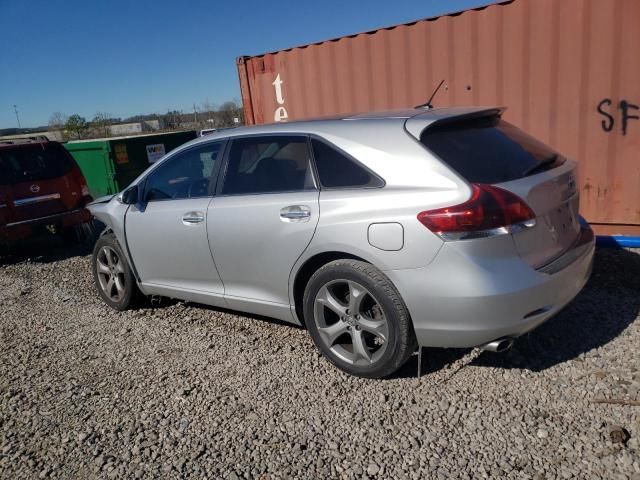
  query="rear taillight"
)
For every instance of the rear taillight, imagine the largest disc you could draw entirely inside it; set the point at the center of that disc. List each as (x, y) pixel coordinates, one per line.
(490, 211)
(85, 195)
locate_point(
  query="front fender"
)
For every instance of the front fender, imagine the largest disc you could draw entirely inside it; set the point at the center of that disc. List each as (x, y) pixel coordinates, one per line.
(112, 213)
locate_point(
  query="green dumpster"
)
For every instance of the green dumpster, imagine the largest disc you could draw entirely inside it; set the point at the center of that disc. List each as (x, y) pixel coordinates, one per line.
(110, 164)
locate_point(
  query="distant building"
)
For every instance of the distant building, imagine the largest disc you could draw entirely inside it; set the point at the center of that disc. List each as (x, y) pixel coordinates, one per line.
(153, 125)
(135, 127)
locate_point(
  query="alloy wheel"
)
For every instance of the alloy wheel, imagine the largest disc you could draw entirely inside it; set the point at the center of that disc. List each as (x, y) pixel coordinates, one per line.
(351, 322)
(111, 273)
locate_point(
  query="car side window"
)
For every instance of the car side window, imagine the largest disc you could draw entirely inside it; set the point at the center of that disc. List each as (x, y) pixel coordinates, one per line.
(268, 164)
(188, 174)
(336, 170)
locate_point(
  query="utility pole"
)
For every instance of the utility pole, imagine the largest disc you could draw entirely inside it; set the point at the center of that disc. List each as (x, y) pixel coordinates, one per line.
(195, 114)
(15, 109)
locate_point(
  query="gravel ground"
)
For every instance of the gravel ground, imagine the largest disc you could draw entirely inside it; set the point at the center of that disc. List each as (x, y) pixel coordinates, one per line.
(185, 391)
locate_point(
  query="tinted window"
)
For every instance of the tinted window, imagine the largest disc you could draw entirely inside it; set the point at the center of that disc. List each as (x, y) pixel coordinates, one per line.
(337, 170)
(268, 164)
(489, 150)
(188, 174)
(33, 162)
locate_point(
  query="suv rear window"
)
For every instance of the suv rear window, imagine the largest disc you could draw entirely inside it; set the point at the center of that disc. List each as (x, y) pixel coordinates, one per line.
(29, 163)
(489, 150)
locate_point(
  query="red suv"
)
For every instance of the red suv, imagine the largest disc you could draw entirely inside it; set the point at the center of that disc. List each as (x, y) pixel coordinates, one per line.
(41, 188)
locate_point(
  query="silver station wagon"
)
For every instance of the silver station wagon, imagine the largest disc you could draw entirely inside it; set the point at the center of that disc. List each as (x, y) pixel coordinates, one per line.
(382, 232)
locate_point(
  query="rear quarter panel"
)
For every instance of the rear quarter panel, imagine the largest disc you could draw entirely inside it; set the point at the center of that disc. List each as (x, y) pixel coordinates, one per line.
(347, 214)
(414, 181)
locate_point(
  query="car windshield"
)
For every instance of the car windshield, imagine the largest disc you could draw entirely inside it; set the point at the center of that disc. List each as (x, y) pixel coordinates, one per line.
(28, 163)
(489, 150)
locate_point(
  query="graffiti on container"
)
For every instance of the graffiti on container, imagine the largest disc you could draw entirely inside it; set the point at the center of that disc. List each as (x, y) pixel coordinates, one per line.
(626, 113)
(280, 115)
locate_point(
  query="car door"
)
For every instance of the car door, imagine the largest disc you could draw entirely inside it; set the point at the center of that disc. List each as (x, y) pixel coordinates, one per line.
(167, 232)
(262, 219)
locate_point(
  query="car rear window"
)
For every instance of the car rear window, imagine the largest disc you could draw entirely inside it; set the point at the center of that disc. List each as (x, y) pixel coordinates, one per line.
(29, 163)
(489, 150)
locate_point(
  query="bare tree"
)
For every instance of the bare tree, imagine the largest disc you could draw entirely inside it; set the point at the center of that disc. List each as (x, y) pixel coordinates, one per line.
(208, 114)
(208, 107)
(101, 123)
(228, 112)
(57, 121)
(172, 119)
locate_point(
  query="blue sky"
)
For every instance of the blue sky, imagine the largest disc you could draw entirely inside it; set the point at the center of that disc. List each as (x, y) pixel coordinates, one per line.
(125, 57)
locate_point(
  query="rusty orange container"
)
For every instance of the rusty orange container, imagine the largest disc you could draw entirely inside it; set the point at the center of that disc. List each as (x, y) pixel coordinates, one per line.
(568, 71)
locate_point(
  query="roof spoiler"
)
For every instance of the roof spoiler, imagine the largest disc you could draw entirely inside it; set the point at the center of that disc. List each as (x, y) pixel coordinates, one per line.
(418, 124)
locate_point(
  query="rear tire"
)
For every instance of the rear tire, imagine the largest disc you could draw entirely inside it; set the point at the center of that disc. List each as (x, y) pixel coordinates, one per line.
(112, 275)
(357, 319)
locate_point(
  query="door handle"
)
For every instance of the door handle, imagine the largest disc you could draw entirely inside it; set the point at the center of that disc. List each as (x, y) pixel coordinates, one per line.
(295, 213)
(193, 217)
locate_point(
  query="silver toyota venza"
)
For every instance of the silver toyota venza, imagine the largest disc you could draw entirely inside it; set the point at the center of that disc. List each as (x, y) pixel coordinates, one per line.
(445, 227)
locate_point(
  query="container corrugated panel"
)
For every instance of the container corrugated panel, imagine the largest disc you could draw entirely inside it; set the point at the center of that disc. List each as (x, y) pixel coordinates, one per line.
(568, 71)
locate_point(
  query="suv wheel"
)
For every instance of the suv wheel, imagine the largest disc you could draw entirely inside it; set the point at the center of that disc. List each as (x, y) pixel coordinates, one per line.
(113, 277)
(357, 319)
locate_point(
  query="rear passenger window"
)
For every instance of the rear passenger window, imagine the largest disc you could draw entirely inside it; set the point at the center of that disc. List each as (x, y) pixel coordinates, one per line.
(336, 170)
(268, 164)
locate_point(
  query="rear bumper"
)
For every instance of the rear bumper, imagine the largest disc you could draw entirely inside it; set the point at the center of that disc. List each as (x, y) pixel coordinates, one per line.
(16, 231)
(475, 293)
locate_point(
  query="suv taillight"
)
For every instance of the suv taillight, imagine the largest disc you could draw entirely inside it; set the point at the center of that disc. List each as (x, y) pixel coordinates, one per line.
(85, 195)
(490, 211)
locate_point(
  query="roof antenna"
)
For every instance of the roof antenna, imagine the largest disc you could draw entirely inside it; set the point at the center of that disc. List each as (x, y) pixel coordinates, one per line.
(428, 105)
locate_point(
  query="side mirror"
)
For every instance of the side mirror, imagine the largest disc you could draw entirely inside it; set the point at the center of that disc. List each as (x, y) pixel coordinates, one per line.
(130, 195)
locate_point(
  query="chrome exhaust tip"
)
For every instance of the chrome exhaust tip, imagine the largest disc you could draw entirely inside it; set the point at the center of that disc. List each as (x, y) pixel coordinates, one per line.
(499, 345)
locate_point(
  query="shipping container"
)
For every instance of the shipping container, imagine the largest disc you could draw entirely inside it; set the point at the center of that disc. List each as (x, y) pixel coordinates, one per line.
(567, 71)
(110, 164)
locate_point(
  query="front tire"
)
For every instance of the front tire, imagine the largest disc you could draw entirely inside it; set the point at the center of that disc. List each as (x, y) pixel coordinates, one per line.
(113, 277)
(357, 319)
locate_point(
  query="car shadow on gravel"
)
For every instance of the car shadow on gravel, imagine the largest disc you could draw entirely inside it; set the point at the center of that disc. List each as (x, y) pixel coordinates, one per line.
(433, 360)
(47, 248)
(163, 302)
(608, 304)
(43, 250)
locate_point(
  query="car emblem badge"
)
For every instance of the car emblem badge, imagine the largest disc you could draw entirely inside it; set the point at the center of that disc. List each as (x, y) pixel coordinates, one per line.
(34, 188)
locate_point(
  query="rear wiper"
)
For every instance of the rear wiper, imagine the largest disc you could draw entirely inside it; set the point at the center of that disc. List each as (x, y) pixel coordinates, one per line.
(542, 165)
